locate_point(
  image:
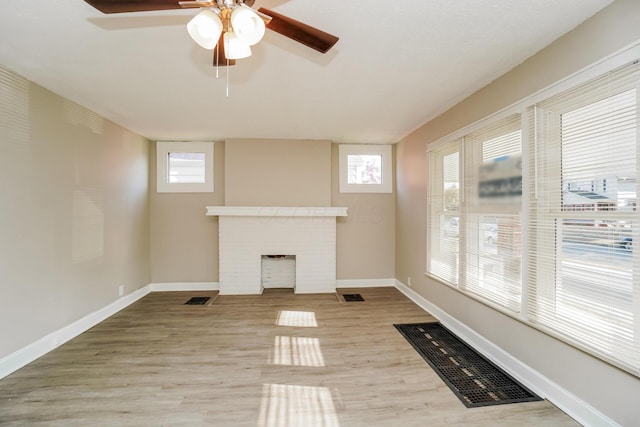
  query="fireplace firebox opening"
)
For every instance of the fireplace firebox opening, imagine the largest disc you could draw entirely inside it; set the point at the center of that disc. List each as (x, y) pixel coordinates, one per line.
(278, 271)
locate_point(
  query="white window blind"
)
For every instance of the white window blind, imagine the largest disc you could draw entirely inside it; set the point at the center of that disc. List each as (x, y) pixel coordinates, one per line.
(474, 213)
(444, 212)
(584, 276)
(14, 108)
(490, 267)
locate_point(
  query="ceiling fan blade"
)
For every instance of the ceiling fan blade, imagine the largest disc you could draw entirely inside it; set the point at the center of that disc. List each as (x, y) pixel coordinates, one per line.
(302, 33)
(195, 4)
(121, 6)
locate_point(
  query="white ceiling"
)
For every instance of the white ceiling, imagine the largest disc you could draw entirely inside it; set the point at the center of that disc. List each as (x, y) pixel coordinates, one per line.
(397, 64)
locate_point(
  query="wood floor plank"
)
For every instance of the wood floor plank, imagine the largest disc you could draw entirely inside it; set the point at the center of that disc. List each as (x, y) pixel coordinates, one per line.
(276, 359)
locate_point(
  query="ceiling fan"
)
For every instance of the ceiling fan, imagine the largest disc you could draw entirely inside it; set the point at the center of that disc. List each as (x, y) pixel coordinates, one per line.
(228, 26)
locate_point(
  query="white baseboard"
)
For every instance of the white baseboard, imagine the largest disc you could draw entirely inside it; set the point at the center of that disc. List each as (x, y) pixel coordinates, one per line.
(36, 349)
(185, 286)
(365, 283)
(575, 407)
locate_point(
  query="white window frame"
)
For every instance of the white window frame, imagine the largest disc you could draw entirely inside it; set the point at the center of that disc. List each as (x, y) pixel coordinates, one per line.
(163, 148)
(437, 216)
(385, 151)
(466, 272)
(582, 318)
(529, 312)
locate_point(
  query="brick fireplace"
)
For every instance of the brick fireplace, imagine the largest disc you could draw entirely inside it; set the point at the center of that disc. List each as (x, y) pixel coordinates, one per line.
(246, 234)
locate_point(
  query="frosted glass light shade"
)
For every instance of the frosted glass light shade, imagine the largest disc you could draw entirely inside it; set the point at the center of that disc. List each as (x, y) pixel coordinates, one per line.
(235, 47)
(205, 29)
(247, 25)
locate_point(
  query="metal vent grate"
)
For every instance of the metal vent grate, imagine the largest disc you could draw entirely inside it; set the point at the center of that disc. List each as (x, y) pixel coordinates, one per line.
(197, 301)
(352, 297)
(475, 380)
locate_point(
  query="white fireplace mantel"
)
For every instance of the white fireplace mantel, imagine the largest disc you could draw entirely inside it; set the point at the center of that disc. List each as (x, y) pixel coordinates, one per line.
(247, 233)
(276, 211)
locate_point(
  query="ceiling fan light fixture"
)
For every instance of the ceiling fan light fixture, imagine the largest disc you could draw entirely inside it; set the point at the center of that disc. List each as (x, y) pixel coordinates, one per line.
(235, 47)
(205, 29)
(247, 25)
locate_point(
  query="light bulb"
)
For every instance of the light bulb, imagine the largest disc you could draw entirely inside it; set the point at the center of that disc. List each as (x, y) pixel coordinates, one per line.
(247, 25)
(205, 29)
(235, 47)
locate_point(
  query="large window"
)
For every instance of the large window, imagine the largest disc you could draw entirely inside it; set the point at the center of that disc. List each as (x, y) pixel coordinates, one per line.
(474, 222)
(583, 268)
(553, 190)
(492, 208)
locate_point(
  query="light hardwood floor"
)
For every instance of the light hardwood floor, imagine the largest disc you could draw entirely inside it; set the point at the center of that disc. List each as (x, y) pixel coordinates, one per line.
(276, 359)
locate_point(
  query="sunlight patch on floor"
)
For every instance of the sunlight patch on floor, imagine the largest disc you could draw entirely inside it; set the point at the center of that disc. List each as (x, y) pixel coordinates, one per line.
(296, 405)
(303, 319)
(296, 351)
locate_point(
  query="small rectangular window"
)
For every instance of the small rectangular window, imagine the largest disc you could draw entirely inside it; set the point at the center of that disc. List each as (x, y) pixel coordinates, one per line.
(184, 167)
(365, 169)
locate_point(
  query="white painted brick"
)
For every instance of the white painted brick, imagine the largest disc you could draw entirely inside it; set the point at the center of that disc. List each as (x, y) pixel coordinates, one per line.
(243, 241)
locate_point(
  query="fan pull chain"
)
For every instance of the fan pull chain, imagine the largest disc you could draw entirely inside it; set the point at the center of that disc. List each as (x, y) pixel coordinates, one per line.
(217, 63)
(228, 71)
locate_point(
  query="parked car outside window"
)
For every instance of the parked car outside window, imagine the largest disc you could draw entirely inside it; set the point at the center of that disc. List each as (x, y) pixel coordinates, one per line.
(626, 243)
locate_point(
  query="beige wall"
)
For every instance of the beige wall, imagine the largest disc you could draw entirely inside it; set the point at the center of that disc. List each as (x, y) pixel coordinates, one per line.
(184, 241)
(608, 389)
(74, 212)
(269, 172)
(365, 248)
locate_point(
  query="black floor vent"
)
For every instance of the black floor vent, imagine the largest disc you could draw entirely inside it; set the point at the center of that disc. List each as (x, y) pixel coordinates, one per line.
(352, 297)
(475, 380)
(197, 301)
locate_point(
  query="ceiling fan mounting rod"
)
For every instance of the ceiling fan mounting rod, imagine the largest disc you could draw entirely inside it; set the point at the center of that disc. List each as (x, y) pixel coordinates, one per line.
(229, 4)
(216, 5)
(223, 8)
